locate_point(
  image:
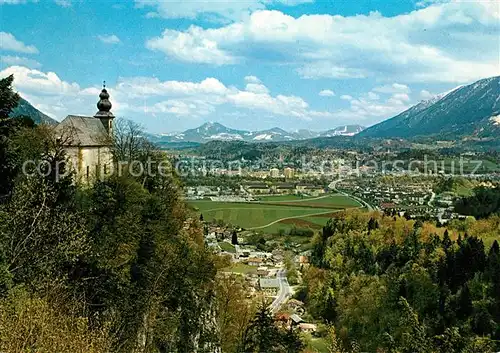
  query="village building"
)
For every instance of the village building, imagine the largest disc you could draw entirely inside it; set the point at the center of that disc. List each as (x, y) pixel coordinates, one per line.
(254, 261)
(305, 327)
(269, 286)
(274, 173)
(258, 188)
(288, 173)
(284, 188)
(87, 141)
(302, 187)
(314, 190)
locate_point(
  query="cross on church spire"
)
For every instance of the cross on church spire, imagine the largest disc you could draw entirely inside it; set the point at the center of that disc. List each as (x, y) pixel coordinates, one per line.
(104, 105)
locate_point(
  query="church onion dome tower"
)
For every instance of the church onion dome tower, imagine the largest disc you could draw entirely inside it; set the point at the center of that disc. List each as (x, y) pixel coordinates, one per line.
(104, 113)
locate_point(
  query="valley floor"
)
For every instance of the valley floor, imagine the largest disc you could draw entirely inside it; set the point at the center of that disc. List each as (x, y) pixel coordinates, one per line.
(272, 213)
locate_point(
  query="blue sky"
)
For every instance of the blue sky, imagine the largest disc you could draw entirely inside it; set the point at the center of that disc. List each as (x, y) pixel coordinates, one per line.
(252, 64)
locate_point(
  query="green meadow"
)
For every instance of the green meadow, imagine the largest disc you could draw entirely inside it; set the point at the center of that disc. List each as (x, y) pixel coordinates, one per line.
(277, 212)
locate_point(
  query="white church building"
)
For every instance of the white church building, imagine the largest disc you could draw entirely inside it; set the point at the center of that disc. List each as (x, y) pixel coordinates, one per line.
(87, 141)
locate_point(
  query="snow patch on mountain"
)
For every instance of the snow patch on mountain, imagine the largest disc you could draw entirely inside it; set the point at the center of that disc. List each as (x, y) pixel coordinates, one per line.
(216, 131)
(224, 136)
(263, 137)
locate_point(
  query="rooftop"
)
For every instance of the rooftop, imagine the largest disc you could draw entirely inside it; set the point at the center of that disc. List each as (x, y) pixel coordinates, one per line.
(269, 283)
(82, 131)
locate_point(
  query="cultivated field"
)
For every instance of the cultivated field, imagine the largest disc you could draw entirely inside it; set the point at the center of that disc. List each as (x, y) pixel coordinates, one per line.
(276, 212)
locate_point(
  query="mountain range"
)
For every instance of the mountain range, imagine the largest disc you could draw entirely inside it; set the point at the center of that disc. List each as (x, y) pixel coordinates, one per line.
(215, 131)
(466, 111)
(25, 108)
(471, 111)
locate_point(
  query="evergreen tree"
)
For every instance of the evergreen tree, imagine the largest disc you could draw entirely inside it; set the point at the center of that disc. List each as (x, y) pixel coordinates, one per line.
(234, 238)
(291, 341)
(8, 98)
(329, 313)
(9, 128)
(262, 334)
(414, 338)
(493, 274)
(464, 303)
(372, 224)
(447, 243)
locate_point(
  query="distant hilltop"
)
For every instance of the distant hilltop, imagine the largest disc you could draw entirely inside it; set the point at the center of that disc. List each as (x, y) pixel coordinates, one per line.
(466, 111)
(213, 131)
(470, 111)
(24, 108)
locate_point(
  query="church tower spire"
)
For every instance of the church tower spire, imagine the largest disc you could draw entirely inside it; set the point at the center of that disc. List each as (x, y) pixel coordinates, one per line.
(104, 113)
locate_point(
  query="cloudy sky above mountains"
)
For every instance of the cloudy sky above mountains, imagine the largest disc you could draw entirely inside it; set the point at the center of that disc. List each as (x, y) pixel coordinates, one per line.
(250, 64)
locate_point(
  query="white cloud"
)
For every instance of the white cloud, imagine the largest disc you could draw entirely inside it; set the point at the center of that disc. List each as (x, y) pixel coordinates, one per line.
(218, 11)
(424, 94)
(448, 42)
(327, 93)
(252, 79)
(14, 2)
(202, 98)
(171, 106)
(280, 105)
(327, 69)
(403, 97)
(152, 15)
(369, 108)
(35, 81)
(146, 86)
(394, 88)
(190, 46)
(368, 111)
(425, 3)
(256, 88)
(109, 39)
(153, 97)
(20, 61)
(10, 43)
(47, 92)
(63, 3)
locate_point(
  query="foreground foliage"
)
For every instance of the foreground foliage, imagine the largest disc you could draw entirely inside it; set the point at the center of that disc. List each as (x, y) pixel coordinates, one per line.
(403, 286)
(114, 266)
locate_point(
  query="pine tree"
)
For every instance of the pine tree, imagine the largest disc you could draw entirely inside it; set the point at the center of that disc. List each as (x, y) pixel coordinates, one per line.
(330, 309)
(414, 338)
(371, 225)
(262, 334)
(464, 303)
(447, 243)
(291, 341)
(9, 166)
(493, 274)
(234, 238)
(8, 98)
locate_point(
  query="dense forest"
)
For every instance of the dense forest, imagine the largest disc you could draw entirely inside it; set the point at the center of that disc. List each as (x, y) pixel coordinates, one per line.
(484, 202)
(393, 285)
